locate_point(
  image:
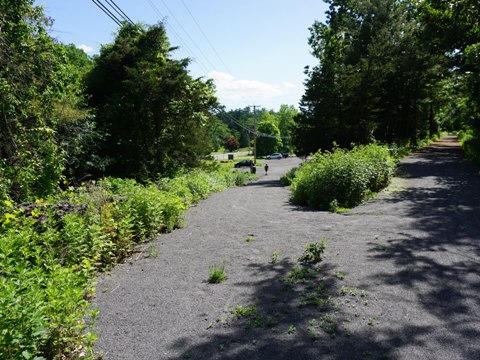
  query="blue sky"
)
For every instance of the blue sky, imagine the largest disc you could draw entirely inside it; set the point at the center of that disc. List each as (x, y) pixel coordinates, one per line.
(255, 50)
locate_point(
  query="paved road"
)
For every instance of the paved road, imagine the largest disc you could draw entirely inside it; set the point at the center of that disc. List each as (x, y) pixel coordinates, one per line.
(399, 279)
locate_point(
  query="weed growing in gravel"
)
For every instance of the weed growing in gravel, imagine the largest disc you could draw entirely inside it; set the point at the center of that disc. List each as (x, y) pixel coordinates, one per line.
(242, 311)
(291, 330)
(340, 275)
(335, 208)
(313, 252)
(250, 238)
(275, 256)
(152, 250)
(217, 274)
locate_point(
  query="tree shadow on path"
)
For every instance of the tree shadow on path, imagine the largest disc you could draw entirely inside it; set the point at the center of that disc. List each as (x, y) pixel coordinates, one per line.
(434, 256)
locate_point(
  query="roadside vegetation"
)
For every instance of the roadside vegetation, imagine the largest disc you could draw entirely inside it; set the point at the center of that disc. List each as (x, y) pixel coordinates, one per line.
(81, 183)
(51, 249)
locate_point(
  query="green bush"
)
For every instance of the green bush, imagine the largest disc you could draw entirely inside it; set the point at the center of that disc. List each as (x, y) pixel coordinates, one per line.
(471, 147)
(287, 179)
(346, 177)
(51, 249)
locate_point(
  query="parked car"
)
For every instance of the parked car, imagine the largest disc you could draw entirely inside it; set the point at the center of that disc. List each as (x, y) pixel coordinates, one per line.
(274, 156)
(285, 155)
(244, 163)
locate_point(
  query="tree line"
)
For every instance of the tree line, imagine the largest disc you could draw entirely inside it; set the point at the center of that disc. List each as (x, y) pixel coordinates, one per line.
(391, 71)
(388, 71)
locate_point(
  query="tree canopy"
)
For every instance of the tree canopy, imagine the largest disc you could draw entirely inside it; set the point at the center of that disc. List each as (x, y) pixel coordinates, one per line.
(376, 79)
(155, 114)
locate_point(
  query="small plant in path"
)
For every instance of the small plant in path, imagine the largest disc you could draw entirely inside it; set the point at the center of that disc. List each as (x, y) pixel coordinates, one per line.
(217, 274)
(291, 330)
(314, 251)
(275, 256)
(250, 238)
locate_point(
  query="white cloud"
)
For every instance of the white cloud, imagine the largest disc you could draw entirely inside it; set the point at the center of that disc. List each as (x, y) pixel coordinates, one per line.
(85, 48)
(230, 88)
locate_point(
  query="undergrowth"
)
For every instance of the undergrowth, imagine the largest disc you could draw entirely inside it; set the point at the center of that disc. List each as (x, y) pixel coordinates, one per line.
(51, 249)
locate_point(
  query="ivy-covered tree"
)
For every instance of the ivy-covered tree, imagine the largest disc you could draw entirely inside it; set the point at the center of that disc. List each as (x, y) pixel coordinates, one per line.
(286, 115)
(155, 114)
(33, 77)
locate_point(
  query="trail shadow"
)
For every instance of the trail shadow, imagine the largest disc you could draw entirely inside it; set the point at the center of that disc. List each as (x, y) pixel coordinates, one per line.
(301, 311)
(265, 183)
(436, 254)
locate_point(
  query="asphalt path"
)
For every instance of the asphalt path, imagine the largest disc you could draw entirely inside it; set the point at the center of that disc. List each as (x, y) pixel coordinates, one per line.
(399, 279)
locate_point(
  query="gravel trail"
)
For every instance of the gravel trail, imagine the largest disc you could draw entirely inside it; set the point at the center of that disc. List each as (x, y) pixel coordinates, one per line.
(399, 280)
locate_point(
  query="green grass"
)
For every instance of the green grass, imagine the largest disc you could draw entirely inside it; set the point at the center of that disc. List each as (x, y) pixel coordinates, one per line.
(217, 274)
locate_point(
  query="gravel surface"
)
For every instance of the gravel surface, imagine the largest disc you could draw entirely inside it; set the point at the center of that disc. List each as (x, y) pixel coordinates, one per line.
(399, 279)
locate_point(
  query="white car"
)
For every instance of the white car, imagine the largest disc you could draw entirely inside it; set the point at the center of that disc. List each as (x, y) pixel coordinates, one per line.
(274, 156)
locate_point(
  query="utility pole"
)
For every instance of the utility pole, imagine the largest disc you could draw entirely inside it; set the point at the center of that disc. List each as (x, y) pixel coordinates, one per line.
(254, 133)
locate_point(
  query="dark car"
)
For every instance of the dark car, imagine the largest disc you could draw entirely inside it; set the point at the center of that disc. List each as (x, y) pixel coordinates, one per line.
(244, 163)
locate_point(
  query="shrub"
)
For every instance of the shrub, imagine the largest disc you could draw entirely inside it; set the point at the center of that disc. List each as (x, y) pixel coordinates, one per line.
(471, 147)
(287, 179)
(50, 250)
(313, 252)
(345, 177)
(231, 143)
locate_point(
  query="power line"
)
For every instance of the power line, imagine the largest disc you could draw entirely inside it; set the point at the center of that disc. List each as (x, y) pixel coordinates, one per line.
(107, 12)
(206, 37)
(251, 131)
(188, 35)
(119, 11)
(179, 38)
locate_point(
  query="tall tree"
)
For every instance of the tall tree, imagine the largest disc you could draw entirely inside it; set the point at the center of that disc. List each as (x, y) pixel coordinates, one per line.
(268, 140)
(157, 116)
(373, 77)
(33, 76)
(452, 27)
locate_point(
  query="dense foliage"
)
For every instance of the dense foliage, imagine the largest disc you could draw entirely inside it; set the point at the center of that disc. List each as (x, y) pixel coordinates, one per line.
(33, 76)
(453, 28)
(269, 140)
(155, 114)
(342, 178)
(241, 125)
(50, 250)
(377, 78)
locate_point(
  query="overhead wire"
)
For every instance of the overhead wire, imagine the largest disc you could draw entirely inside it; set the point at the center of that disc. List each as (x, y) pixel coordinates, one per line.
(107, 12)
(179, 38)
(119, 11)
(206, 37)
(251, 131)
(188, 35)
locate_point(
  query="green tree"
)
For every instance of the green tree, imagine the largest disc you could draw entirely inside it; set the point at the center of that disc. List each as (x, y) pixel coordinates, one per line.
(374, 80)
(33, 76)
(452, 27)
(268, 138)
(286, 121)
(156, 115)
